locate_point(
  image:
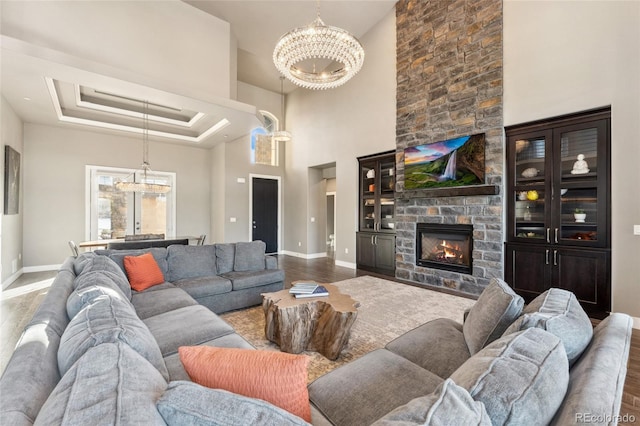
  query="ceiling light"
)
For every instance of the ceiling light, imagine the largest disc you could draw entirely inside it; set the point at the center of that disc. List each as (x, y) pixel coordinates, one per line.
(314, 42)
(145, 185)
(281, 135)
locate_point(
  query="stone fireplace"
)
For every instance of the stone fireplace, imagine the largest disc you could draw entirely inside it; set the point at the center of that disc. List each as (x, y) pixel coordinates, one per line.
(447, 247)
(449, 84)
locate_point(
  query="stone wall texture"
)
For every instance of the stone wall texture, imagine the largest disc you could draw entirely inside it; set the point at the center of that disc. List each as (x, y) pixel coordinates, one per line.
(449, 77)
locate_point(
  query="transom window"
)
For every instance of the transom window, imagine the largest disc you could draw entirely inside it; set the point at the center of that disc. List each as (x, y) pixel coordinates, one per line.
(264, 150)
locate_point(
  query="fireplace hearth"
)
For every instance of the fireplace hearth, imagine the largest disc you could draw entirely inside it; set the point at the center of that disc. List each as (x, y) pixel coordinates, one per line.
(447, 247)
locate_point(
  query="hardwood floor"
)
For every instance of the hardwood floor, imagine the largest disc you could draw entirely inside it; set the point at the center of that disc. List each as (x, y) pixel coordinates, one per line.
(19, 301)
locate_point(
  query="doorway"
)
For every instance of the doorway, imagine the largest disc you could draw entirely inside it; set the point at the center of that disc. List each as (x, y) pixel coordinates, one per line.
(331, 225)
(265, 211)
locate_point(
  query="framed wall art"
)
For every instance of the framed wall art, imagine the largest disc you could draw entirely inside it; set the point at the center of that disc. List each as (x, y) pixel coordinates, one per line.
(11, 180)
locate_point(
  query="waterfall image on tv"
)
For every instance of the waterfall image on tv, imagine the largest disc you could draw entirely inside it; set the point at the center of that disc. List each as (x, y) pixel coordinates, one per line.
(454, 162)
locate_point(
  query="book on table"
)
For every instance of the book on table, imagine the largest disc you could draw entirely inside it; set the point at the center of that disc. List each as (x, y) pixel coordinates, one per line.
(319, 291)
(303, 288)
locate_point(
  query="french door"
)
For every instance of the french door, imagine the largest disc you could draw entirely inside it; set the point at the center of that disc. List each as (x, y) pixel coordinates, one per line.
(114, 214)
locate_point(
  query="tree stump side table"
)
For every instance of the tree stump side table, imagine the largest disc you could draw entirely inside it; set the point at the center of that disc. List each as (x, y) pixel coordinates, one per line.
(320, 324)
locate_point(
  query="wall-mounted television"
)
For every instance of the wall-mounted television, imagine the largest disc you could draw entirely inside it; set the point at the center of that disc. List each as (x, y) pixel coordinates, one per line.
(444, 164)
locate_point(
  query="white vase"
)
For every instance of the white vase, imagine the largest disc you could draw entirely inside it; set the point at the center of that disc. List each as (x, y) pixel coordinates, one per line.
(580, 217)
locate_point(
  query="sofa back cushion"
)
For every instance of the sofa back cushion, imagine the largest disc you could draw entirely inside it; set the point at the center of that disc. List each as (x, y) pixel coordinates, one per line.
(111, 384)
(496, 308)
(449, 404)
(191, 262)
(250, 256)
(225, 254)
(187, 403)
(91, 285)
(158, 253)
(559, 312)
(105, 265)
(520, 378)
(107, 320)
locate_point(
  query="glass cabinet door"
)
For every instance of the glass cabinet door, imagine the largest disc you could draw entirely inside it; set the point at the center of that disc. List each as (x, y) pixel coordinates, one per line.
(530, 214)
(578, 185)
(368, 175)
(377, 199)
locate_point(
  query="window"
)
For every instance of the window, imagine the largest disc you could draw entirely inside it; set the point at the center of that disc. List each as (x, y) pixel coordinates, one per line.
(264, 150)
(114, 214)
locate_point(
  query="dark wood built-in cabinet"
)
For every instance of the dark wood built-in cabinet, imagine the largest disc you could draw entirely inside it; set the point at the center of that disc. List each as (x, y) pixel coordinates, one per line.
(375, 240)
(559, 208)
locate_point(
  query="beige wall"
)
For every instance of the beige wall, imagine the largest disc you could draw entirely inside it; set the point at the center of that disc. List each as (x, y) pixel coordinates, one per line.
(11, 225)
(564, 57)
(339, 125)
(168, 45)
(54, 184)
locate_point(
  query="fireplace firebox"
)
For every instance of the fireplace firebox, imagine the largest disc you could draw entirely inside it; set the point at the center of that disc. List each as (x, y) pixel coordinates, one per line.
(447, 247)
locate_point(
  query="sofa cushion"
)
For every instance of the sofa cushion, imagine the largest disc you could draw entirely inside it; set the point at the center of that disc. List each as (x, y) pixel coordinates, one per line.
(98, 390)
(108, 267)
(150, 303)
(249, 256)
(158, 253)
(191, 261)
(496, 308)
(225, 254)
(81, 261)
(188, 326)
(449, 404)
(249, 279)
(437, 346)
(276, 377)
(186, 403)
(204, 286)
(107, 320)
(175, 367)
(520, 378)
(143, 271)
(364, 390)
(89, 286)
(559, 312)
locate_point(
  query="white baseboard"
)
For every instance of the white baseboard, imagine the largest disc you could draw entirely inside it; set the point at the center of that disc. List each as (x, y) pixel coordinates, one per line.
(346, 264)
(41, 268)
(11, 279)
(636, 322)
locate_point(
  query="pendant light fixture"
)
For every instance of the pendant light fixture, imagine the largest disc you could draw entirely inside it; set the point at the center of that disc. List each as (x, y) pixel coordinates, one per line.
(281, 135)
(318, 42)
(145, 185)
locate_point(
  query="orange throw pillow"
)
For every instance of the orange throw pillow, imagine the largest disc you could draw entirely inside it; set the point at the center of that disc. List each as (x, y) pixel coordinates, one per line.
(143, 271)
(276, 377)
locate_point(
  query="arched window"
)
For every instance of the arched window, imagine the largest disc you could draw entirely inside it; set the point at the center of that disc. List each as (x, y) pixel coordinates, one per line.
(264, 150)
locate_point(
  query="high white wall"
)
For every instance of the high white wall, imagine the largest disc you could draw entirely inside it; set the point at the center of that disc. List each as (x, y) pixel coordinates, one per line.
(54, 184)
(564, 57)
(11, 225)
(337, 126)
(169, 45)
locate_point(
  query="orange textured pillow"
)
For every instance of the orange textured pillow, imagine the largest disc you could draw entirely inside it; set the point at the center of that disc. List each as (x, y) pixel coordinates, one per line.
(143, 271)
(276, 377)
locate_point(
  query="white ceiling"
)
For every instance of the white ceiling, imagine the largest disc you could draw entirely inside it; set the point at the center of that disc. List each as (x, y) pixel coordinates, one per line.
(257, 26)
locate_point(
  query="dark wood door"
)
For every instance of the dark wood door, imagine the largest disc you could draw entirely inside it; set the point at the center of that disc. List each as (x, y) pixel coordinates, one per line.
(528, 269)
(586, 274)
(365, 249)
(385, 246)
(265, 212)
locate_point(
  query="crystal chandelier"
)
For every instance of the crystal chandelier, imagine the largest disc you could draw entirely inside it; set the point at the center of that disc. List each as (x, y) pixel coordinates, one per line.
(145, 185)
(318, 41)
(281, 135)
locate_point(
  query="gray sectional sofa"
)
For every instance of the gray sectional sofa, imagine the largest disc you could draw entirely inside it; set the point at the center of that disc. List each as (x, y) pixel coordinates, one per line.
(504, 365)
(97, 352)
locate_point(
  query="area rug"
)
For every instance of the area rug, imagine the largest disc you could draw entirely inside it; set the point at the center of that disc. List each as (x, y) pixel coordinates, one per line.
(387, 310)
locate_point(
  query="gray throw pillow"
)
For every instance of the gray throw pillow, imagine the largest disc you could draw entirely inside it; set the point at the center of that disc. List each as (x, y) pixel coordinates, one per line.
(90, 286)
(112, 384)
(190, 262)
(496, 308)
(250, 256)
(559, 312)
(449, 404)
(107, 320)
(187, 403)
(521, 378)
(224, 257)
